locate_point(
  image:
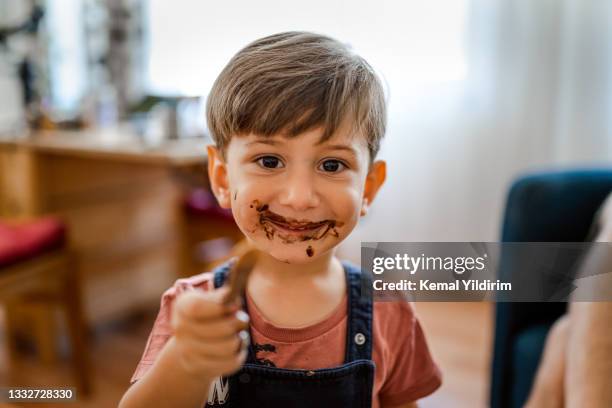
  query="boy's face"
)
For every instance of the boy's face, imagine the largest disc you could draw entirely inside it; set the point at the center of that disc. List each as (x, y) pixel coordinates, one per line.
(296, 198)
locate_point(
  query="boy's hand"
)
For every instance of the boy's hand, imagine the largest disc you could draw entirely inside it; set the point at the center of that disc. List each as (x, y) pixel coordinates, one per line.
(210, 338)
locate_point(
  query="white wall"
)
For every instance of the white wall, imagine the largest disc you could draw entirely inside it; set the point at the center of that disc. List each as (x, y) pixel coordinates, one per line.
(537, 96)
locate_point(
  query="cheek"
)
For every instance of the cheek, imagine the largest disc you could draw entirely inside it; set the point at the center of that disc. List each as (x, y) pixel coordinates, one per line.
(345, 203)
(347, 209)
(244, 207)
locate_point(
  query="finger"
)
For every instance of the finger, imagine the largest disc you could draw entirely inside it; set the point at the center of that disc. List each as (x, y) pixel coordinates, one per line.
(213, 351)
(245, 339)
(235, 363)
(213, 329)
(202, 305)
(225, 366)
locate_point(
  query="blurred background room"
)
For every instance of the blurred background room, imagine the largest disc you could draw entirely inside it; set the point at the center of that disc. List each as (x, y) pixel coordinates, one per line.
(104, 198)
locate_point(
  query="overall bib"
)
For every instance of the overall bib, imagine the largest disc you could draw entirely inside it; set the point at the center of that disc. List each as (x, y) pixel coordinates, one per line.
(348, 385)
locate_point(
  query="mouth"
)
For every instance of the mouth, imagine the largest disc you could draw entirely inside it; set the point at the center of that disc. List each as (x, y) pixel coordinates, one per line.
(293, 230)
(309, 228)
(296, 230)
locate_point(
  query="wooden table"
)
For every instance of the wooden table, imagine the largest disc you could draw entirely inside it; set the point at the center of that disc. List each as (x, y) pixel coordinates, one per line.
(121, 199)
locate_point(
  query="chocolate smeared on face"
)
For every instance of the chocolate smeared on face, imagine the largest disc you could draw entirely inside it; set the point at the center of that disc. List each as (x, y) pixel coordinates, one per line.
(260, 208)
(273, 223)
(235, 194)
(309, 251)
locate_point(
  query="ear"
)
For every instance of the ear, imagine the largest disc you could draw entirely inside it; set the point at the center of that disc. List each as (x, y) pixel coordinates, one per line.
(374, 180)
(218, 177)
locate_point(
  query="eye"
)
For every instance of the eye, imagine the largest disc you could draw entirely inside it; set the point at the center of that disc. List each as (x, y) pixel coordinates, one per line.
(269, 162)
(332, 166)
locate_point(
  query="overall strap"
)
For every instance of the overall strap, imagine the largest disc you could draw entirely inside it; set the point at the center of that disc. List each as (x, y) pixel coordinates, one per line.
(359, 334)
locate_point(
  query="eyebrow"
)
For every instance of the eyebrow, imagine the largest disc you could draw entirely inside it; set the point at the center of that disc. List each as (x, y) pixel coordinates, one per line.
(272, 142)
(347, 148)
(264, 141)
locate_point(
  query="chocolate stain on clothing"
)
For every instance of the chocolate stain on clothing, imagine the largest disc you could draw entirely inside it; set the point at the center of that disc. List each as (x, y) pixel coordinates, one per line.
(265, 348)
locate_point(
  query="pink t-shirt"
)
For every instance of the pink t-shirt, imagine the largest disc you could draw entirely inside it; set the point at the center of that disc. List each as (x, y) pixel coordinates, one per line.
(405, 370)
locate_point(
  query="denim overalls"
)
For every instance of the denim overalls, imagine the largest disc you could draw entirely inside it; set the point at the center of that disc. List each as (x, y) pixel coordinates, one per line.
(348, 385)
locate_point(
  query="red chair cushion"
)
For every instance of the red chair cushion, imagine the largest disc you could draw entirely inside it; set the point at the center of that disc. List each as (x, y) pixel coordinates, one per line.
(201, 203)
(23, 241)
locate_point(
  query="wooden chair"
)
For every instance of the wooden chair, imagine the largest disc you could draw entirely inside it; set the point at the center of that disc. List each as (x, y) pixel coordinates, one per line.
(36, 269)
(208, 233)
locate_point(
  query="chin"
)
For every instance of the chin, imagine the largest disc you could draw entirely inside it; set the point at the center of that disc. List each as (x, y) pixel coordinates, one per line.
(301, 253)
(292, 260)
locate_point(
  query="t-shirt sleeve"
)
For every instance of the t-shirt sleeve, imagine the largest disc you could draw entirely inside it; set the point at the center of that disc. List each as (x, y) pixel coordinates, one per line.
(162, 330)
(413, 374)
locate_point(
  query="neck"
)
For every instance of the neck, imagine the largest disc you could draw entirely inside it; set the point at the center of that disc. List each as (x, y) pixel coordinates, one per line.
(286, 274)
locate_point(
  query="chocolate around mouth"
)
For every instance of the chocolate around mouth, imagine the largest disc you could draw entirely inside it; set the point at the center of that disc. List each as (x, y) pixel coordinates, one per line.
(271, 223)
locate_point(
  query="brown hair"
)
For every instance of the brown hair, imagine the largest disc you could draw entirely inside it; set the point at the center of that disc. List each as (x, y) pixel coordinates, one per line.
(293, 82)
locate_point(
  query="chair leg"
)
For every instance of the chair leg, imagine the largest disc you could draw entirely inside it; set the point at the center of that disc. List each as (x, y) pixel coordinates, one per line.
(185, 264)
(77, 330)
(11, 331)
(44, 324)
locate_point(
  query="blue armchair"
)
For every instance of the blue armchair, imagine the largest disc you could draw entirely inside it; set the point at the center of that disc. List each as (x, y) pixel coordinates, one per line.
(545, 207)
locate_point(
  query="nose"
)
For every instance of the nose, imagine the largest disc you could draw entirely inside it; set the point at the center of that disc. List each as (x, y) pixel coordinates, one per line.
(299, 192)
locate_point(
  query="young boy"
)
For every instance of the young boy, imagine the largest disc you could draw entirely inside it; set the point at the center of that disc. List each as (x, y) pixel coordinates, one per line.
(297, 119)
